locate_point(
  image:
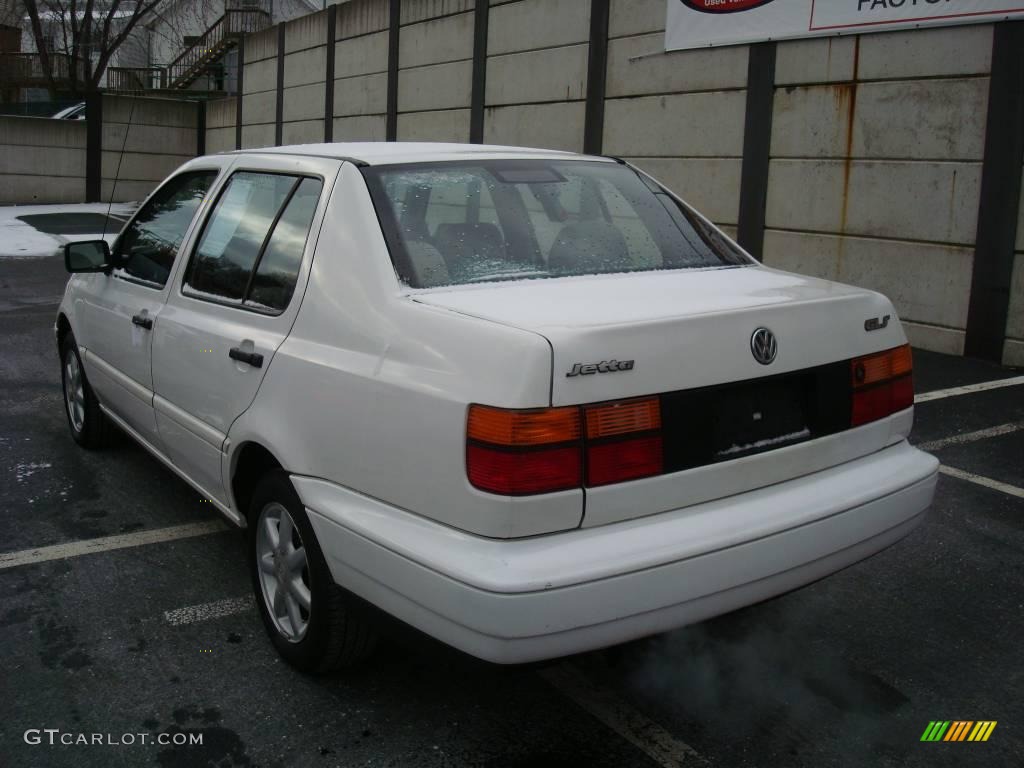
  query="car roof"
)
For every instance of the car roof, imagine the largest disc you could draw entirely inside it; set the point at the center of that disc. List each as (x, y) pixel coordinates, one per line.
(392, 152)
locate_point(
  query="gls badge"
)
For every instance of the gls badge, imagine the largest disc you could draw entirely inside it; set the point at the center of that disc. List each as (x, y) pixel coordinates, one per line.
(606, 366)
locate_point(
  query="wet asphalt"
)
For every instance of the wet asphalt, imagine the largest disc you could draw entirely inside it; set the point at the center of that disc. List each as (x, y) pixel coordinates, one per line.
(846, 672)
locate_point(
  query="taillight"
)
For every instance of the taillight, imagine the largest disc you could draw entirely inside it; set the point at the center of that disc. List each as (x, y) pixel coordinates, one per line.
(520, 452)
(623, 441)
(882, 385)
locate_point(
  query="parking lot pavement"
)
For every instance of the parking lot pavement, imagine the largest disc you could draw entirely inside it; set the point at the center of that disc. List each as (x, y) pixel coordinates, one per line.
(161, 638)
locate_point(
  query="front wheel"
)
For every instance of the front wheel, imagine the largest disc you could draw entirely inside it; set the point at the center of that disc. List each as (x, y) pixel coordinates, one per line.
(315, 625)
(89, 425)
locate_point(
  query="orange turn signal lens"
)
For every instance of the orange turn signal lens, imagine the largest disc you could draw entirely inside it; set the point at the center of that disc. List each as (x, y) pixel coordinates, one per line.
(621, 418)
(874, 369)
(541, 426)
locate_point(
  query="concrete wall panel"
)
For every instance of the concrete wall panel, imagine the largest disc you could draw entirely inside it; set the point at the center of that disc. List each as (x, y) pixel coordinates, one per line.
(709, 184)
(147, 138)
(948, 341)
(221, 113)
(436, 41)
(305, 102)
(41, 132)
(928, 119)
(361, 17)
(439, 86)
(530, 24)
(360, 95)
(257, 136)
(1015, 321)
(220, 140)
(907, 200)
(361, 128)
(361, 55)
(259, 76)
(160, 112)
(554, 74)
(125, 190)
(261, 45)
(817, 60)
(631, 72)
(305, 32)
(419, 10)
(303, 132)
(260, 108)
(635, 17)
(305, 67)
(447, 125)
(942, 51)
(137, 166)
(548, 126)
(687, 125)
(46, 162)
(41, 190)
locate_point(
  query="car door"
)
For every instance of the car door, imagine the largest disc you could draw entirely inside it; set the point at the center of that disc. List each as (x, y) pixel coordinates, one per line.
(118, 311)
(233, 304)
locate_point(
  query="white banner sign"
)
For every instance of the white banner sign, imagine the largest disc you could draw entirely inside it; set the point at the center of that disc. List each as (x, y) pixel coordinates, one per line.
(701, 23)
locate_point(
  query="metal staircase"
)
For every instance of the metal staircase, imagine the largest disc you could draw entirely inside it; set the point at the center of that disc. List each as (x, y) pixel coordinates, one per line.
(211, 46)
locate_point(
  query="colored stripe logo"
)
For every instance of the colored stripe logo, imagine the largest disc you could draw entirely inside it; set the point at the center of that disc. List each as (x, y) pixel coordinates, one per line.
(958, 730)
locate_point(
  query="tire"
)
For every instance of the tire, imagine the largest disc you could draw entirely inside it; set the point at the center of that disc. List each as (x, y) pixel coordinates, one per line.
(337, 629)
(89, 426)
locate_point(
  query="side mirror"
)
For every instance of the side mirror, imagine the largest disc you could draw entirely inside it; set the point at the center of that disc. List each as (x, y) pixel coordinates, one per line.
(87, 256)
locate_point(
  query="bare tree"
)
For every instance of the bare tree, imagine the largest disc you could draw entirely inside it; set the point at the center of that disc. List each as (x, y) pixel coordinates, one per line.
(75, 39)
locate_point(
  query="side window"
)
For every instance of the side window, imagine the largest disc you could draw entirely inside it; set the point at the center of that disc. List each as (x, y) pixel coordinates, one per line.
(259, 217)
(148, 245)
(274, 281)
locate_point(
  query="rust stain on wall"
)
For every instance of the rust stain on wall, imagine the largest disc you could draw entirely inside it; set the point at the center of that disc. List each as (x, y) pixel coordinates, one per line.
(846, 102)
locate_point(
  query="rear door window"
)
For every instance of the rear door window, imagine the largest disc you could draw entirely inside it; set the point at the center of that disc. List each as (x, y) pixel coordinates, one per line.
(252, 243)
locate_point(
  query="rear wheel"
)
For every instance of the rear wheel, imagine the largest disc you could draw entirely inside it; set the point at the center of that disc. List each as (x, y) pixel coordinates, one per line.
(89, 426)
(314, 624)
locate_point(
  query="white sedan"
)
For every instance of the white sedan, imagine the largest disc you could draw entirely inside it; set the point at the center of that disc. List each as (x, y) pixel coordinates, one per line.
(527, 401)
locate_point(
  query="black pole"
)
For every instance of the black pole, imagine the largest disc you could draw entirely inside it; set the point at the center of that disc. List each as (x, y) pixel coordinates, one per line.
(757, 140)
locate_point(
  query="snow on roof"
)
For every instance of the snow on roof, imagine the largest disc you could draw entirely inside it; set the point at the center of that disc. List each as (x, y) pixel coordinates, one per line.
(390, 152)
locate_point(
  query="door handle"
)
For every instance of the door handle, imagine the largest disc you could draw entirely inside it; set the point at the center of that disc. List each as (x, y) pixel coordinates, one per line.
(143, 322)
(255, 359)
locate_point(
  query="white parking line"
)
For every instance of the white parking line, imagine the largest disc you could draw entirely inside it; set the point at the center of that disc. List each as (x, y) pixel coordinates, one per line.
(968, 389)
(988, 482)
(205, 611)
(972, 437)
(660, 745)
(108, 543)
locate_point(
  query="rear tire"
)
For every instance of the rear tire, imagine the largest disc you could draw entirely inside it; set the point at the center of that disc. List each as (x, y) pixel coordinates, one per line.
(314, 624)
(89, 426)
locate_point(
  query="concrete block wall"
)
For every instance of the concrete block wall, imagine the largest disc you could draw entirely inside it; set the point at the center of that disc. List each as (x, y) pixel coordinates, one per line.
(220, 125)
(41, 160)
(537, 73)
(678, 115)
(361, 71)
(875, 173)
(259, 89)
(305, 61)
(435, 58)
(156, 137)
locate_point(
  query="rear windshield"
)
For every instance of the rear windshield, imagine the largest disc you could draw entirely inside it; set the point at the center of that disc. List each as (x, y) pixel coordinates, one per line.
(456, 223)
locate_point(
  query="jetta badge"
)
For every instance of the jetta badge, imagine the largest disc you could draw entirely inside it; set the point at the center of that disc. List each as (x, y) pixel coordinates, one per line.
(764, 346)
(605, 366)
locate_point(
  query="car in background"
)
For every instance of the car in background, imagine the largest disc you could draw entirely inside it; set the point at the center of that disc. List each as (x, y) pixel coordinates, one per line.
(529, 402)
(74, 112)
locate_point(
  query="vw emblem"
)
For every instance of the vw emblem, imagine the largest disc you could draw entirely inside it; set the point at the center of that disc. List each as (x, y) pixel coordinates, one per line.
(764, 346)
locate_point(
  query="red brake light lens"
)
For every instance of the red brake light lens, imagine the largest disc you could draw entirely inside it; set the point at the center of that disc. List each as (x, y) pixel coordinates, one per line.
(518, 473)
(622, 460)
(883, 384)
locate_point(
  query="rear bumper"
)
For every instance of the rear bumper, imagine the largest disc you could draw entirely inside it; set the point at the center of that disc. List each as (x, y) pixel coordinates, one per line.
(529, 599)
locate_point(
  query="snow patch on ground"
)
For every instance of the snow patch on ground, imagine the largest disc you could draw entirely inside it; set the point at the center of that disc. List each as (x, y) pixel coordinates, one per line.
(25, 471)
(19, 240)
